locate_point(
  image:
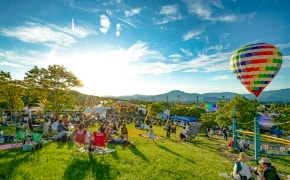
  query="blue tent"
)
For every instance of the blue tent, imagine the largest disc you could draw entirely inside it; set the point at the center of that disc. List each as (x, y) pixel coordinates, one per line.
(183, 118)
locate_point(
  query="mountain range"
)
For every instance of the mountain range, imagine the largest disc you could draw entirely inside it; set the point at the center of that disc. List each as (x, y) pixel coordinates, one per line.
(281, 96)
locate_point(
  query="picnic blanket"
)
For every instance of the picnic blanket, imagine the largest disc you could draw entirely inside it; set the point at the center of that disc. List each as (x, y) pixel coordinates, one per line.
(10, 146)
(156, 137)
(17, 145)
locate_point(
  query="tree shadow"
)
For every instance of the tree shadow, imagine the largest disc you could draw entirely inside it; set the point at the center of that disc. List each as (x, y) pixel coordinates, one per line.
(136, 152)
(17, 157)
(203, 145)
(70, 144)
(80, 167)
(174, 153)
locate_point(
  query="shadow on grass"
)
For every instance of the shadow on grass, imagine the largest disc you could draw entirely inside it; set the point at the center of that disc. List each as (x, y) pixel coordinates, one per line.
(115, 154)
(17, 157)
(280, 159)
(80, 167)
(175, 153)
(136, 152)
(204, 145)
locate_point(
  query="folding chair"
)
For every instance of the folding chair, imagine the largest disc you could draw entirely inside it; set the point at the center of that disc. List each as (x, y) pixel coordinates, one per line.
(79, 141)
(99, 142)
(20, 137)
(37, 139)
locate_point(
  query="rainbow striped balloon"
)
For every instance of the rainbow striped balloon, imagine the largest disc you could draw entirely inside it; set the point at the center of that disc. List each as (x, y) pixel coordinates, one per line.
(255, 65)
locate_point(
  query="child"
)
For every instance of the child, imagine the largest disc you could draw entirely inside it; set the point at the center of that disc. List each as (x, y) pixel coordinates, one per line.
(150, 134)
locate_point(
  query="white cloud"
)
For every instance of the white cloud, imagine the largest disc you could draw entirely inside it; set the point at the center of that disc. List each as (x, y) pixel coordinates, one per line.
(169, 10)
(132, 12)
(222, 77)
(204, 10)
(286, 62)
(47, 34)
(191, 34)
(105, 23)
(283, 46)
(208, 63)
(175, 58)
(36, 33)
(187, 52)
(118, 29)
(10, 64)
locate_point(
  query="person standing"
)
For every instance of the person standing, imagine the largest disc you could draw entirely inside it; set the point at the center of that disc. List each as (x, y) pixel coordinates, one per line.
(168, 128)
(225, 134)
(150, 134)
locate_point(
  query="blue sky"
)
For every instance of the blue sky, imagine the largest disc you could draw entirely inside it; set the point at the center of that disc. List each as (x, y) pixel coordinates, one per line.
(126, 47)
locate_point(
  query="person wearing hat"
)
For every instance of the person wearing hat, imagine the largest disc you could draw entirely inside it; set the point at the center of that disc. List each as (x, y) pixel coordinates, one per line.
(268, 172)
(241, 170)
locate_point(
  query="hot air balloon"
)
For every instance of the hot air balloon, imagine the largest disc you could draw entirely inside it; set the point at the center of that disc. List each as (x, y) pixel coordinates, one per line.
(255, 65)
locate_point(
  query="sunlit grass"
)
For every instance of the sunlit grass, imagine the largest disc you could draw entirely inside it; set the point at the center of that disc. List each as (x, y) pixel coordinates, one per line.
(200, 158)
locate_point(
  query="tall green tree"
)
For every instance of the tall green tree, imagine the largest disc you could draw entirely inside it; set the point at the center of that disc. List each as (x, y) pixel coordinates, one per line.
(35, 91)
(209, 119)
(178, 109)
(52, 86)
(11, 92)
(245, 112)
(195, 111)
(58, 81)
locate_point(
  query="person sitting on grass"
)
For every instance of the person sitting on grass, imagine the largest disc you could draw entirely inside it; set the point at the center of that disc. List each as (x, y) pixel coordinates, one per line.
(88, 135)
(108, 134)
(62, 132)
(124, 131)
(266, 171)
(46, 126)
(183, 134)
(122, 141)
(241, 170)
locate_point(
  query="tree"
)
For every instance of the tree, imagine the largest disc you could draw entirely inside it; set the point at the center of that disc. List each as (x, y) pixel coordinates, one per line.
(283, 117)
(11, 92)
(208, 119)
(195, 111)
(52, 86)
(245, 112)
(33, 80)
(178, 109)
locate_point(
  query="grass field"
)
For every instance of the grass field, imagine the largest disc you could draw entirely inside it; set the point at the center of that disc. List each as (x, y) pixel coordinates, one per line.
(168, 158)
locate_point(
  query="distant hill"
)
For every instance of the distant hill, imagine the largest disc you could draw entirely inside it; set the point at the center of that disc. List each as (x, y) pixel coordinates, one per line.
(275, 96)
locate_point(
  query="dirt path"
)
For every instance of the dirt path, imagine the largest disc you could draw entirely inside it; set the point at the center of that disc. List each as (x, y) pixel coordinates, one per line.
(223, 151)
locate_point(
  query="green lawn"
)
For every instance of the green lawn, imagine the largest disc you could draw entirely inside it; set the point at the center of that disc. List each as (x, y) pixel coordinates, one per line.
(201, 158)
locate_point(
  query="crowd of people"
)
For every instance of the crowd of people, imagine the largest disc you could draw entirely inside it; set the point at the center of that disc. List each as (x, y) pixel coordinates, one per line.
(114, 125)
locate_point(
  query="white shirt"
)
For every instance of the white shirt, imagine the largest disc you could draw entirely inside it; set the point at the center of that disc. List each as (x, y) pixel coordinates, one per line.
(184, 132)
(244, 172)
(54, 126)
